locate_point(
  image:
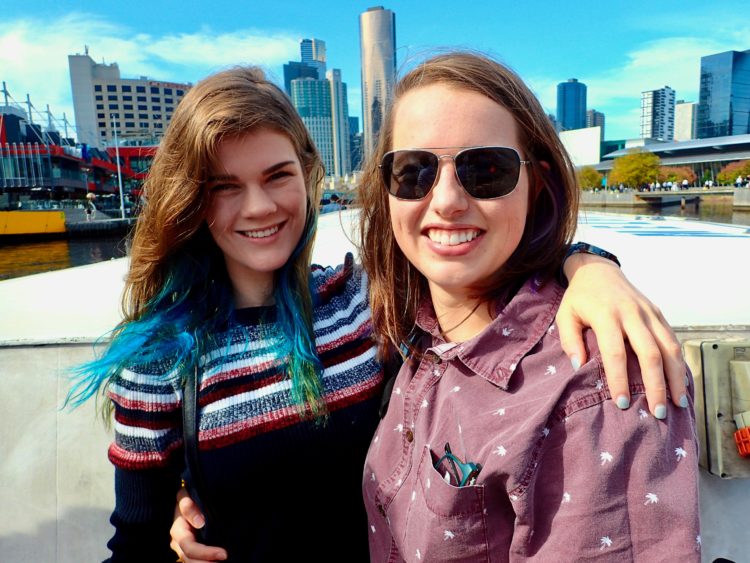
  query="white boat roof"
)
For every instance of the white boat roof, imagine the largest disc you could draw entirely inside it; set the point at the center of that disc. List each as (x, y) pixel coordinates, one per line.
(694, 271)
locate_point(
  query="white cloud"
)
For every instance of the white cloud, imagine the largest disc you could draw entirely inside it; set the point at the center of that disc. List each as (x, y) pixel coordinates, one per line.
(33, 54)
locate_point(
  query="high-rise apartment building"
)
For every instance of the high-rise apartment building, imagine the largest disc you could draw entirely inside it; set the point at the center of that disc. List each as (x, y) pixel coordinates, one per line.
(377, 43)
(103, 102)
(313, 54)
(312, 98)
(340, 123)
(571, 105)
(685, 120)
(595, 119)
(724, 103)
(657, 114)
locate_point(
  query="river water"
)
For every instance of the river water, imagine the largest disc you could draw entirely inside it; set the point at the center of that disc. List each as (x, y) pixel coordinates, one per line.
(23, 259)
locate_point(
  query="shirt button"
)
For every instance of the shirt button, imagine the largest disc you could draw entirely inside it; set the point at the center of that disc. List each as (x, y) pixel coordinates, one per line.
(409, 436)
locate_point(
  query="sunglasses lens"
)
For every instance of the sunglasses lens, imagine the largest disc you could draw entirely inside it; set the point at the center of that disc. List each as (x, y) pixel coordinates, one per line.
(409, 174)
(488, 172)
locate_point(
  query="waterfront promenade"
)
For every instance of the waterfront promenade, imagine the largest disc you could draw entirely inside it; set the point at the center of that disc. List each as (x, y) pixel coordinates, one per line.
(56, 485)
(634, 199)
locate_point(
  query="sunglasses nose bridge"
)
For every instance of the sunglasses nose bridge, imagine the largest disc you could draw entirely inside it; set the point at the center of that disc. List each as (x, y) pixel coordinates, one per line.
(451, 157)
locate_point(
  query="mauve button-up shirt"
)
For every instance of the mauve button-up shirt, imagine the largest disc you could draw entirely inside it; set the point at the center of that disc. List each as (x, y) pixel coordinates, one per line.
(566, 475)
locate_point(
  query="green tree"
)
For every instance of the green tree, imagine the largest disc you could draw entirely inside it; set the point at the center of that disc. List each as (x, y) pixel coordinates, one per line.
(729, 173)
(635, 168)
(589, 178)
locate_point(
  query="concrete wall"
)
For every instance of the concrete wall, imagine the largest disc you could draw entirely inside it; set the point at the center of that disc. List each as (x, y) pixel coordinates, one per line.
(742, 199)
(56, 484)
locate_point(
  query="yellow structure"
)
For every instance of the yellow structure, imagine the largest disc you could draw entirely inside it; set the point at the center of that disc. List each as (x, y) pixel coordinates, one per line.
(31, 222)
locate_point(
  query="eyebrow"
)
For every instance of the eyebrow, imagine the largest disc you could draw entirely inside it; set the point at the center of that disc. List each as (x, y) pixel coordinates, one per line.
(269, 170)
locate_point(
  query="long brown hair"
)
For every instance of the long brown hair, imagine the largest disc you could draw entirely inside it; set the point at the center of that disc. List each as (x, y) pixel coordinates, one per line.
(396, 287)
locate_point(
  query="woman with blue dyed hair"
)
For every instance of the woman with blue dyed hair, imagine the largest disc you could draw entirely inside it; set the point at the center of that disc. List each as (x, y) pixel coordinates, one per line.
(220, 290)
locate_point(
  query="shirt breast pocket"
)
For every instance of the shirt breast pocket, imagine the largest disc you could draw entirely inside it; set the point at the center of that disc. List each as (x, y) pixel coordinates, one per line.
(446, 523)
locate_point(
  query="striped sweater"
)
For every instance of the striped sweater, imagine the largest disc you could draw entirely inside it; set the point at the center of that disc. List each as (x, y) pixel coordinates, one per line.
(279, 484)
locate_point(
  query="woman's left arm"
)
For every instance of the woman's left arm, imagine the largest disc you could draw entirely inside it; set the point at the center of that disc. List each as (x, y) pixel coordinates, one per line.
(600, 296)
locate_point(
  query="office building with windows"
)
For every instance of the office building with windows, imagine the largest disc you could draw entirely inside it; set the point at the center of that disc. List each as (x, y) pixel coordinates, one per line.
(138, 110)
(377, 42)
(595, 119)
(312, 98)
(313, 54)
(685, 120)
(571, 105)
(342, 164)
(294, 70)
(657, 114)
(355, 143)
(724, 101)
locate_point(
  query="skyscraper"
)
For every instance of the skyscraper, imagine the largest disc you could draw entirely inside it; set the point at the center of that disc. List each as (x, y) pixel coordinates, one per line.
(340, 124)
(313, 54)
(377, 42)
(296, 69)
(685, 120)
(595, 119)
(571, 105)
(657, 114)
(355, 143)
(724, 104)
(312, 98)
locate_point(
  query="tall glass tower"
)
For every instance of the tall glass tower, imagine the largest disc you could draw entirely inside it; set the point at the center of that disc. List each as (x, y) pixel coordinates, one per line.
(377, 43)
(312, 98)
(724, 103)
(313, 54)
(342, 164)
(571, 105)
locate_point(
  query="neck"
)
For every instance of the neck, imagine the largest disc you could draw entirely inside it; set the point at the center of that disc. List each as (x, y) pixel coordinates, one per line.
(460, 317)
(251, 290)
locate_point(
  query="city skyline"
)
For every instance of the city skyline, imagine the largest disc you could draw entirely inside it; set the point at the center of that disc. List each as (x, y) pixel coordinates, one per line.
(617, 59)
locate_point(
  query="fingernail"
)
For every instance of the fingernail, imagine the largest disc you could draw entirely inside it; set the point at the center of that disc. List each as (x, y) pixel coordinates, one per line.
(660, 412)
(683, 401)
(623, 402)
(199, 521)
(575, 361)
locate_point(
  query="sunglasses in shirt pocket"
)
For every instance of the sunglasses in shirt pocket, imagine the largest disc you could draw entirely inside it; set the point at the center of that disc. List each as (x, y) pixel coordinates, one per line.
(445, 522)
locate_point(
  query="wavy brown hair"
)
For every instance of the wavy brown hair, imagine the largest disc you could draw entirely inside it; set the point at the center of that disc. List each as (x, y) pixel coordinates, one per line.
(396, 287)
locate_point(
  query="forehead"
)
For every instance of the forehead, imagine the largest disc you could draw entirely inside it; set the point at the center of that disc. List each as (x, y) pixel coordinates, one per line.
(446, 116)
(257, 148)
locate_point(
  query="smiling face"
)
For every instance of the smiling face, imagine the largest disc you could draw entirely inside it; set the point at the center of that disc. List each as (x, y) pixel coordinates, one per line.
(257, 210)
(454, 240)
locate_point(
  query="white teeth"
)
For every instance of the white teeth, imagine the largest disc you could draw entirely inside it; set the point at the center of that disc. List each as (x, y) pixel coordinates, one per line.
(451, 238)
(262, 234)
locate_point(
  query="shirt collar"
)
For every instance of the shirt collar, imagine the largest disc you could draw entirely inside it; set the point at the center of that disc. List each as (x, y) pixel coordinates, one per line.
(494, 353)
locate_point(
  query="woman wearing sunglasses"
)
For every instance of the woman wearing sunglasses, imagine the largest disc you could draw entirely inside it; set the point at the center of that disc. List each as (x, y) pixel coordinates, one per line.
(288, 387)
(495, 448)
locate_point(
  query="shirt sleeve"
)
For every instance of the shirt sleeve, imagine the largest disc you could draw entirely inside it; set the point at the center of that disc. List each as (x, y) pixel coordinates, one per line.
(613, 485)
(147, 454)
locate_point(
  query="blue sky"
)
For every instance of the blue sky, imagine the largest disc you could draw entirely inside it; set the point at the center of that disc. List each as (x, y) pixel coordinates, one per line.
(617, 48)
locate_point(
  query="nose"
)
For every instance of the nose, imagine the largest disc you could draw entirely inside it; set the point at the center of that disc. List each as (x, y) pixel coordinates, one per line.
(448, 198)
(256, 202)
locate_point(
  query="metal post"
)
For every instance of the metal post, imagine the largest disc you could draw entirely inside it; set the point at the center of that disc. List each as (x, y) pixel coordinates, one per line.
(119, 174)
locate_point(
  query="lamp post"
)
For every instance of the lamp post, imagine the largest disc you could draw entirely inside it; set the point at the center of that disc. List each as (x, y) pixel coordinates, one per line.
(119, 174)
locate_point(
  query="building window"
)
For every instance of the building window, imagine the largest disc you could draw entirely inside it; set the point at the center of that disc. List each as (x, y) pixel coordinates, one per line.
(128, 115)
(155, 108)
(141, 98)
(112, 97)
(100, 116)
(143, 125)
(99, 106)
(156, 117)
(97, 87)
(142, 108)
(114, 106)
(111, 87)
(99, 98)
(168, 100)
(167, 91)
(158, 125)
(129, 123)
(154, 89)
(127, 98)
(180, 93)
(142, 116)
(127, 106)
(127, 88)
(170, 109)
(102, 124)
(155, 100)
(140, 89)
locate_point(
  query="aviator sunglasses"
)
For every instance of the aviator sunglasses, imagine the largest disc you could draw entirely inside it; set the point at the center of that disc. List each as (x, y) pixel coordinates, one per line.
(483, 172)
